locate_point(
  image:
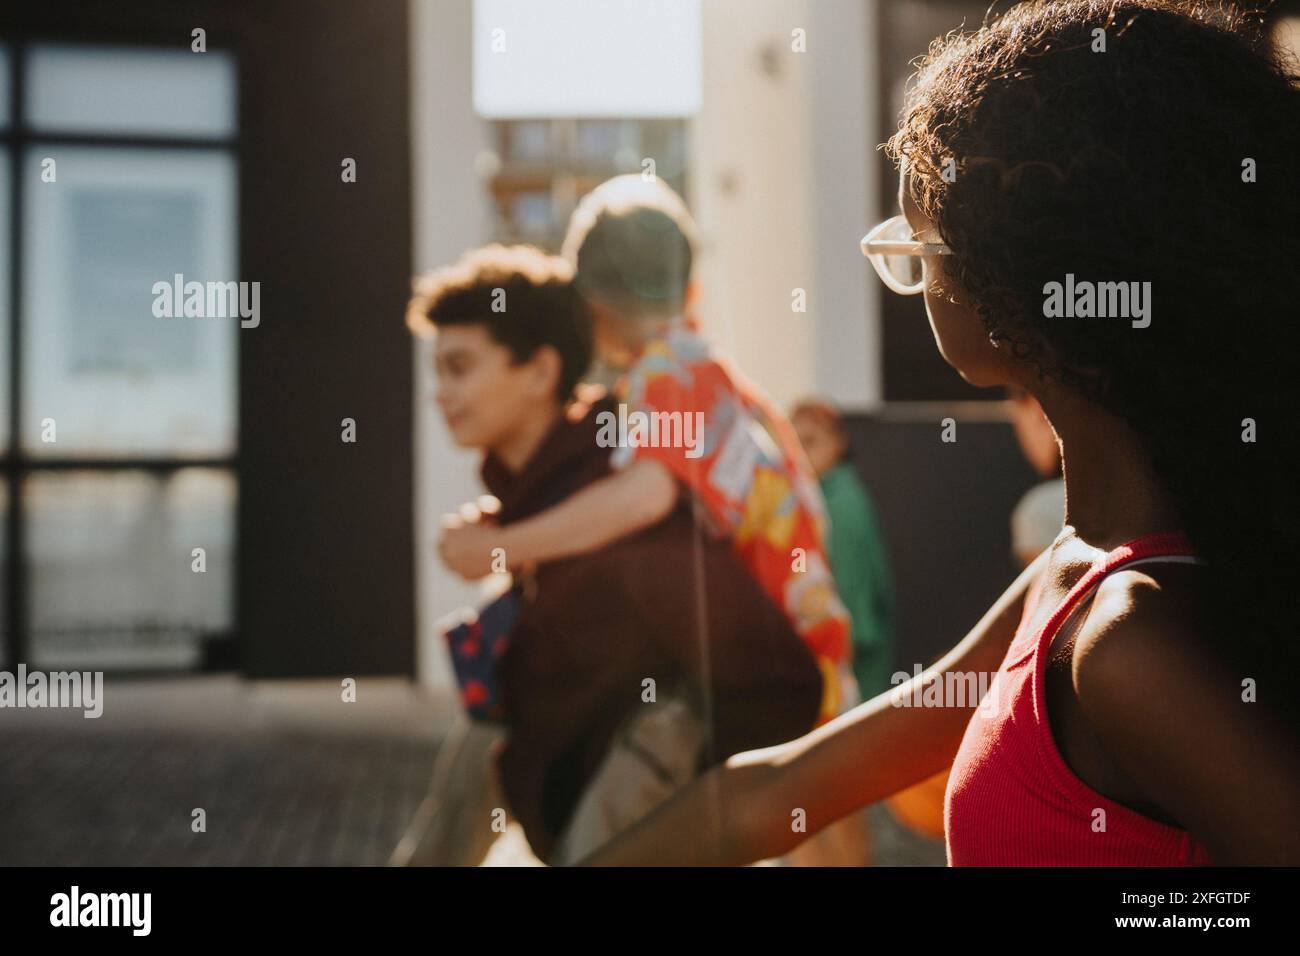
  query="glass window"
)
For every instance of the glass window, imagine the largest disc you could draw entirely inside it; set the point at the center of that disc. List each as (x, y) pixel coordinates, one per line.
(4, 86)
(607, 141)
(113, 377)
(5, 292)
(4, 572)
(530, 141)
(130, 90)
(110, 368)
(533, 213)
(111, 579)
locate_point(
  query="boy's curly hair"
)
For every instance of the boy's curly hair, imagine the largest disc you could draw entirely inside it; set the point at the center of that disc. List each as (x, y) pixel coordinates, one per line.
(1129, 165)
(522, 296)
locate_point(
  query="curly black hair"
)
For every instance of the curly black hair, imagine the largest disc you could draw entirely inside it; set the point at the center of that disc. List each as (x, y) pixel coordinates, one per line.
(1135, 164)
(541, 305)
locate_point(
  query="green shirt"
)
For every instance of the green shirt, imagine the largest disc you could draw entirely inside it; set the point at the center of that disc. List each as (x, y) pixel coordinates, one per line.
(862, 576)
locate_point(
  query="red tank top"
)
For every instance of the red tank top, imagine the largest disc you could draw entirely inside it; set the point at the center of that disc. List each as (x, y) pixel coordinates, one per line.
(1011, 798)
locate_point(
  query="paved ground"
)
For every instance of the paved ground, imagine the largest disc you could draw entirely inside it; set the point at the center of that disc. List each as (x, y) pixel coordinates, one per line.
(286, 773)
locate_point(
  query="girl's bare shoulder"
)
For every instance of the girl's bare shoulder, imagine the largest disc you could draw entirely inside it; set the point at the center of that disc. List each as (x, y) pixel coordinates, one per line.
(1172, 715)
(1141, 617)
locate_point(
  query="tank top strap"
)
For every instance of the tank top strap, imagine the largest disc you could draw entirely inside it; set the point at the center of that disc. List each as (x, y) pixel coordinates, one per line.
(1168, 544)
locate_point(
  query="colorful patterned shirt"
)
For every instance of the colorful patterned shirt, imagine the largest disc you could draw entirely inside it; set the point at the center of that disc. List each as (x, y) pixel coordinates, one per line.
(745, 466)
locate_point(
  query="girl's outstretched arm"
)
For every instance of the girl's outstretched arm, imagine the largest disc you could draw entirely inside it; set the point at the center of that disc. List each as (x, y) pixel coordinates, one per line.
(743, 810)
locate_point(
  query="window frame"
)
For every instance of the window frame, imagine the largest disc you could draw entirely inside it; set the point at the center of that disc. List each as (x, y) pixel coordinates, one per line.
(16, 465)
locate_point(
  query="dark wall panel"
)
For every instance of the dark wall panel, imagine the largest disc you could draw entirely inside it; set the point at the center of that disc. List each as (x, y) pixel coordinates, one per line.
(326, 526)
(946, 512)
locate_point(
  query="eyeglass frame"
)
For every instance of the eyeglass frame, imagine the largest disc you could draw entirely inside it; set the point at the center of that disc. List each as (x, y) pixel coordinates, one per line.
(872, 246)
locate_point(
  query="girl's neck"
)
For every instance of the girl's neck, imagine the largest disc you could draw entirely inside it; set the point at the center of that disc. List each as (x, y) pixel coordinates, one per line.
(1112, 494)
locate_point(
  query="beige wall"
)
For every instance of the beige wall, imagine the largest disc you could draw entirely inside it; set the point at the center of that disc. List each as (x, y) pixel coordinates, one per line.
(451, 215)
(782, 178)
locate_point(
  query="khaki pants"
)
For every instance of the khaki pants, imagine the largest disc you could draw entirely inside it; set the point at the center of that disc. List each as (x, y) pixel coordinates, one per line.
(459, 823)
(651, 757)
(454, 826)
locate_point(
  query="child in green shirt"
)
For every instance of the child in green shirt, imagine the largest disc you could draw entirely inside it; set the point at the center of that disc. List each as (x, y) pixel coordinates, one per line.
(858, 560)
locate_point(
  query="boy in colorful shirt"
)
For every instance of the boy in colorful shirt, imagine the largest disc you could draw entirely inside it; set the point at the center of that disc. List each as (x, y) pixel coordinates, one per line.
(631, 242)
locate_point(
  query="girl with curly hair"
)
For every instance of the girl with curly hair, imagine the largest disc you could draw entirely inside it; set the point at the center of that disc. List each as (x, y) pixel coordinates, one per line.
(1143, 708)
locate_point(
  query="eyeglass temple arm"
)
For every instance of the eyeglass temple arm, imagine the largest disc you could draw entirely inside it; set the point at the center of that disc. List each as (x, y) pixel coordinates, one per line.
(888, 247)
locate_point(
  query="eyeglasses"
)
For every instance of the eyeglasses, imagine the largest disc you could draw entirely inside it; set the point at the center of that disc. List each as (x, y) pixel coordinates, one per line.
(897, 256)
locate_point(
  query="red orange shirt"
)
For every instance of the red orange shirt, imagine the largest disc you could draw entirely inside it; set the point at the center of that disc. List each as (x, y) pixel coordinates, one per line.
(746, 467)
